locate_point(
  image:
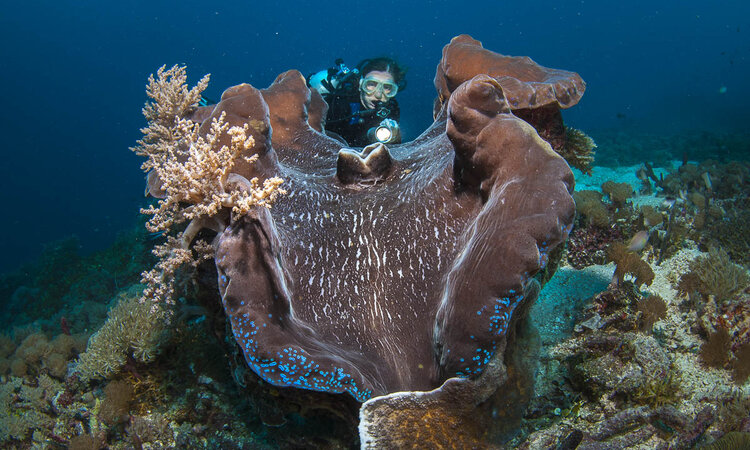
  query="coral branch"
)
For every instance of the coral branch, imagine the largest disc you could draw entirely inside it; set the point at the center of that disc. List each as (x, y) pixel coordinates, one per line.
(195, 175)
(172, 256)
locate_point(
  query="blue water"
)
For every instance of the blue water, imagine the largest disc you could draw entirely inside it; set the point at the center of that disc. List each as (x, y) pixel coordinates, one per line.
(74, 73)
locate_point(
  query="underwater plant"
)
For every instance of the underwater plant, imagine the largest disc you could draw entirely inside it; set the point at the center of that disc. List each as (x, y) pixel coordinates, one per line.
(714, 275)
(651, 217)
(652, 308)
(133, 329)
(118, 395)
(590, 205)
(732, 232)
(658, 391)
(618, 193)
(715, 351)
(741, 363)
(578, 150)
(628, 263)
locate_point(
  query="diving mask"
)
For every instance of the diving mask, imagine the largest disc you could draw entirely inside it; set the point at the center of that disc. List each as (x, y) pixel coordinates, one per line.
(370, 85)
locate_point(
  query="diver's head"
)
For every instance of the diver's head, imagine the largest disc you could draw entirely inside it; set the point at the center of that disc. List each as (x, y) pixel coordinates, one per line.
(376, 87)
(382, 78)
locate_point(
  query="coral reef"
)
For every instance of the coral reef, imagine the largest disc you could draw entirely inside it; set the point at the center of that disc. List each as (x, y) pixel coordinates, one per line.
(185, 401)
(587, 245)
(718, 290)
(35, 354)
(134, 329)
(651, 217)
(23, 406)
(710, 207)
(114, 408)
(731, 231)
(731, 440)
(635, 371)
(596, 394)
(710, 179)
(601, 223)
(741, 364)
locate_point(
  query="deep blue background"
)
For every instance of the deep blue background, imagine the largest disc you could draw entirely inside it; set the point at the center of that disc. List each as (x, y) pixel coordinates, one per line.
(73, 77)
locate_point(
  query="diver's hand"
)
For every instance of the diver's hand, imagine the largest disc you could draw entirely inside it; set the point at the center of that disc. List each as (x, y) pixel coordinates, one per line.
(390, 123)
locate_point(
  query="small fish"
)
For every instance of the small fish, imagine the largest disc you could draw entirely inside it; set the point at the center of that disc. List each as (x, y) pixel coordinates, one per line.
(156, 235)
(638, 242)
(723, 90)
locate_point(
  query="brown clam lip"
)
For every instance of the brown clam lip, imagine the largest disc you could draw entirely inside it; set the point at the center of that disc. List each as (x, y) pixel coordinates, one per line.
(365, 283)
(371, 163)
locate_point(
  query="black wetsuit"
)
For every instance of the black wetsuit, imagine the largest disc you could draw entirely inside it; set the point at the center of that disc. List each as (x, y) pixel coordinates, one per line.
(348, 118)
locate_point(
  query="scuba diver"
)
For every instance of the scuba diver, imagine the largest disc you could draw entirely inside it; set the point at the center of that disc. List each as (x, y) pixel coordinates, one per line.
(362, 108)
